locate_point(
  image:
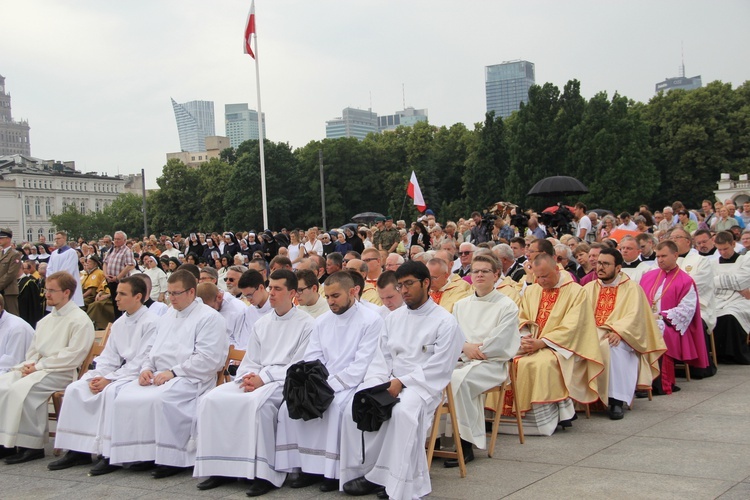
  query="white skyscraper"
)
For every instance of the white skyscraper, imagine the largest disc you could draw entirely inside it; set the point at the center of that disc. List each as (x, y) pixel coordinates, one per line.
(195, 121)
(241, 123)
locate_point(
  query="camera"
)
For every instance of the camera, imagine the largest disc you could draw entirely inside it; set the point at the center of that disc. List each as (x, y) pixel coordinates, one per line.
(558, 223)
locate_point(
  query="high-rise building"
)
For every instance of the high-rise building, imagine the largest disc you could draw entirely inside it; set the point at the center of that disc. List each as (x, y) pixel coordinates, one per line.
(14, 135)
(352, 123)
(680, 82)
(406, 117)
(195, 122)
(507, 85)
(242, 123)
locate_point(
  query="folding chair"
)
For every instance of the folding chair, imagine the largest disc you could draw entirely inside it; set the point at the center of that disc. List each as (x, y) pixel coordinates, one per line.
(501, 390)
(234, 355)
(446, 406)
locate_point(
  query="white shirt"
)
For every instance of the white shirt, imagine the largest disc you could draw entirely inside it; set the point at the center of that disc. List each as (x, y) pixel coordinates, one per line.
(316, 247)
(584, 223)
(15, 339)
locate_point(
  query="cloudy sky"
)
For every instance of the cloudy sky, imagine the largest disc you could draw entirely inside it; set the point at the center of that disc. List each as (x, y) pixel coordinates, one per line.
(94, 78)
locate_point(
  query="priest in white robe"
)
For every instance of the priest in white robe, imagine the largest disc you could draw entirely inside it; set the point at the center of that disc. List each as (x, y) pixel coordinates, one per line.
(232, 309)
(252, 288)
(154, 416)
(15, 339)
(344, 340)
(237, 421)
(84, 425)
(417, 354)
(65, 259)
(489, 320)
(62, 340)
(732, 280)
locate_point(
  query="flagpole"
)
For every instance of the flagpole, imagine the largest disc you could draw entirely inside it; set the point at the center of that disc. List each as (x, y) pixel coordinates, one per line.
(260, 135)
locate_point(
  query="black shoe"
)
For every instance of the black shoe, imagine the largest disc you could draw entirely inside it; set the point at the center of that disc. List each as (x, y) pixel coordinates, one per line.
(675, 389)
(566, 424)
(641, 394)
(468, 450)
(7, 452)
(70, 459)
(329, 485)
(214, 482)
(163, 471)
(360, 486)
(142, 466)
(259, 487)
(303, 480)
(382, 494)
(103, 467)
(25, 455)
(616, 413)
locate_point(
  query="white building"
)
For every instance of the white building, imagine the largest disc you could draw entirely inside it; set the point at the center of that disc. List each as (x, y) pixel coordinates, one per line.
(241, 123)
(31, 190)
(738, 191)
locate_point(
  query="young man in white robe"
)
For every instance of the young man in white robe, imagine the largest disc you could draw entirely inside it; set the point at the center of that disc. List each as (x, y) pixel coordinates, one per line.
(308, 295)
(489, 320)
(15, 339)
(84, 425)
(154, 416)
(63, 339)
(232, 309)
(251, 287)
(344, 340)
(388, 293)
(417, 354)
(65, 259)
(237, 421)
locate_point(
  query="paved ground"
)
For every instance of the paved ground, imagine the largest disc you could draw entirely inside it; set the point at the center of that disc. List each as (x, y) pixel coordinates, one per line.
(693, 444)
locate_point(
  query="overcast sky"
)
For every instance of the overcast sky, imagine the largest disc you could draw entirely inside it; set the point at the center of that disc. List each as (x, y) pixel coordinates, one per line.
(94, 78)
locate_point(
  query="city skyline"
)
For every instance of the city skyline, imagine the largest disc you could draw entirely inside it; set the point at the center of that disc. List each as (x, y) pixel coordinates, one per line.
(99, 94)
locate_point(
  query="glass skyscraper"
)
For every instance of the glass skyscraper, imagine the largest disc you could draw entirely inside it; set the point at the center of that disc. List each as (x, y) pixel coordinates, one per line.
(507, 85)
(195, 122)
(241, 123)
(353, 123)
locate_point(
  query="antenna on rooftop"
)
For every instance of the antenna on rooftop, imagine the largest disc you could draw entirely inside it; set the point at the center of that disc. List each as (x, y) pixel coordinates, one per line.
(682, 66)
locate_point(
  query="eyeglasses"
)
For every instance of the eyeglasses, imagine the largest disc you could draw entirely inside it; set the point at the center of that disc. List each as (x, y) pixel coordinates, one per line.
(249, 296)
(230, 280)
(407, 284)
(482, 271)
(175, 294)
(300, 290)
(605, 264)
(468, 252)
(50, 290)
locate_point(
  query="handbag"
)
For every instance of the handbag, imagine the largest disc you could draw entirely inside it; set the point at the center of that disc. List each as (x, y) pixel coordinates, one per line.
(306, 390)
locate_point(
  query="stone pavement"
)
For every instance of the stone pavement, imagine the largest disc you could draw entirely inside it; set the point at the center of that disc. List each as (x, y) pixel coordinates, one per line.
(691, 445)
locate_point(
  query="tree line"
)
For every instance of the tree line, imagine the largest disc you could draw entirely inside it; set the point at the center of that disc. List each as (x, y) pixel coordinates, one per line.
(627, 153)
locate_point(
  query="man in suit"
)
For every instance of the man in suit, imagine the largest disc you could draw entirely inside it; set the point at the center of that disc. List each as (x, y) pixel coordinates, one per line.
(10, 270)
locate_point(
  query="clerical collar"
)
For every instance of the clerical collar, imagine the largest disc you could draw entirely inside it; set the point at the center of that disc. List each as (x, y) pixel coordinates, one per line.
(148, 302)
(683, 255)
(63, 248)
(136, 314)
(706, 254)
(631, 265)
(730, 260)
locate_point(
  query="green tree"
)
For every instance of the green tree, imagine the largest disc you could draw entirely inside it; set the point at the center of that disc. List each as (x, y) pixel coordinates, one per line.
(487, 165)
(87, 226)
(177, 203)
(126, 214)
(214, 177)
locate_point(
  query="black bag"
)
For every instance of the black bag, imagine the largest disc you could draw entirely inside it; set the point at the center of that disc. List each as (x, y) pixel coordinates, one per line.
(373, 406)
(306, 390)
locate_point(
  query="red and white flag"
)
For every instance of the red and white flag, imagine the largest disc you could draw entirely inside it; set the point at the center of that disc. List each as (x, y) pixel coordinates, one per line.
(250, 30)
(415, 193)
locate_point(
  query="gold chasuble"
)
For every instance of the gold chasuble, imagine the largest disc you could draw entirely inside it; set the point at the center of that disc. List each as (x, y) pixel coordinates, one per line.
(564, 318)
(453, 291)
(508, 287)
(624, 309)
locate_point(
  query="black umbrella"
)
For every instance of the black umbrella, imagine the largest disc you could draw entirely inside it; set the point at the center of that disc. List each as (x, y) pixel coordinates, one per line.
(372, 406)
(558, 185)
(602, 212)
(306, 390)
(367, 217)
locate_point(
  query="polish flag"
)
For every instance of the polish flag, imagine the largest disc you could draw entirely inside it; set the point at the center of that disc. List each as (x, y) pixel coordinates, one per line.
(415, 193)
(250, 30)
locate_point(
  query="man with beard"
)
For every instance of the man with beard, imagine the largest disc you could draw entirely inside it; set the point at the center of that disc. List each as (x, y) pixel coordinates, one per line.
(704, 243)
(625, 322)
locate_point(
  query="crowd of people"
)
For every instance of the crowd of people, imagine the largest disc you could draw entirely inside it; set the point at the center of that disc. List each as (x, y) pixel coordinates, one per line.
(611, 310)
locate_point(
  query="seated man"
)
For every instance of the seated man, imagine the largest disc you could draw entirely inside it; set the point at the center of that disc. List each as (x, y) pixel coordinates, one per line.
(388, 292)
(417, 354)
(344, 340)
(623, 319)
(231, 309)
(308, 297)
(446, 288)
(154, 415)
(252, 291)
(559, 345)
(62, 340)
(732, 281)
(489, 319)
(237, 421)
(85, 420)
(15, 339)
(674, 303)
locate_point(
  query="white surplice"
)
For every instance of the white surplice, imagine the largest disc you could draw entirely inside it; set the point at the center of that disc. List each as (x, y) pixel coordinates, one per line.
(233, 311)
(700, 269)
(251, 316)
(236, 429)
(67, 261)
(317, 309)
(635, 273)
(158, 308)
(623, 365)
(157, 422)
(729, 280)
(492, 321)
(62, 340)
(85, 420)
(420, 348)
(15, 339)
(345, 344)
